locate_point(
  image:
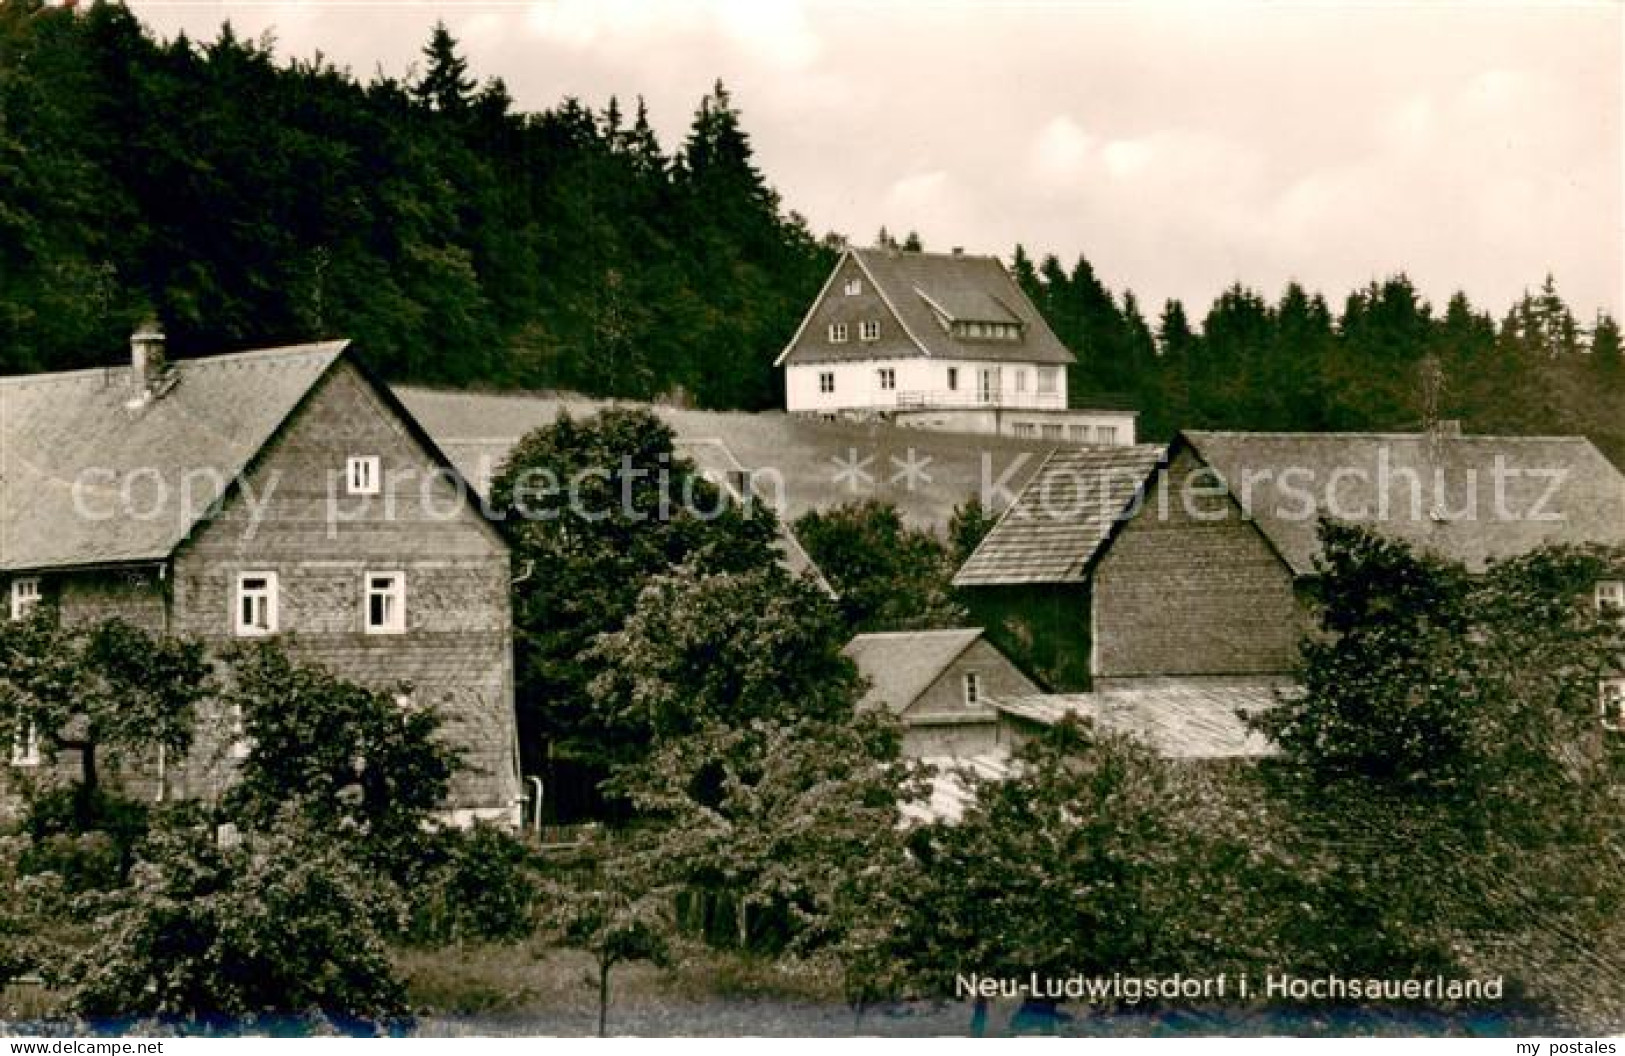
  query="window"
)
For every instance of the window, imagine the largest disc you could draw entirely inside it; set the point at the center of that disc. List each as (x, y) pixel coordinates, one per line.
(25, 595)
(870, 330)
(1078, 432)
(25, 746)
(1046, 380)
(973, 689)
(837, 333)
(1021, 381)
(1052, 432)
(826, 381)
(888, 378)
(1612, 699)
(1105, 434)
(386, 602)
(854, 287)
(953, 379)
(239, 747)
(361, 475)
(1026, 430)
(256, 604)
(1610, 597)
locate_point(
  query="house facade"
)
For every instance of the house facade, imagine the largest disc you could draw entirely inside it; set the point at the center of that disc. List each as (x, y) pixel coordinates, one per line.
(941, 685)
(938, 341)
(1205, 579)
(276, 494)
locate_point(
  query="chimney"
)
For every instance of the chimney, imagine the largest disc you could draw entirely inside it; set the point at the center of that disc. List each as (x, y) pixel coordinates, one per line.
(148, 370)
(959, 251)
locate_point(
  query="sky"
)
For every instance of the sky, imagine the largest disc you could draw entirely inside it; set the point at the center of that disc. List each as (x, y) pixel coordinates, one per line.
(1181, 147)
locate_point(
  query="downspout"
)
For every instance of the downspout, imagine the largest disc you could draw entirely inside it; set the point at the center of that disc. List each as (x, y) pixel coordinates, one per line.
(518, 757)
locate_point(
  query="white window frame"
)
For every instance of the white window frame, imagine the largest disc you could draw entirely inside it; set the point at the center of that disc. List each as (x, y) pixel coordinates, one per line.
(240, 745)
(1024, 430)
(971, 683)
(25, 595)
(1050, 431)
(25, 746)
(1611, 597)
(869, 330)
(269, 595)
(1105, 434)
(395, 621)
(886, 377)
(853, 287)
(826, 382)
(838, 333)
(362, 475)
(1047, 377)
(1021, 381)
(1611, 703)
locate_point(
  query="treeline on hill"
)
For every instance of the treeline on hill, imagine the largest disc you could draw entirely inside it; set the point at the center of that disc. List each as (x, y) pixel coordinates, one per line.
(248, 202)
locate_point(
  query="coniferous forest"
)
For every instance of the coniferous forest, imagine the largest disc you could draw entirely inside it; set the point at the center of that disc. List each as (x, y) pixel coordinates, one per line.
(246, 200)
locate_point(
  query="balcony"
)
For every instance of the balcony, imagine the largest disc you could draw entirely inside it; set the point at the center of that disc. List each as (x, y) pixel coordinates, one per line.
(972, 399)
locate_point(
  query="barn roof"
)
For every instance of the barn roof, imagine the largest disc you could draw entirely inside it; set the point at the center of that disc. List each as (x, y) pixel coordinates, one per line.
(1180, 720)
(170, 455)
(901, 665)
(925, 290)
(1474, 499)
(1052, 530)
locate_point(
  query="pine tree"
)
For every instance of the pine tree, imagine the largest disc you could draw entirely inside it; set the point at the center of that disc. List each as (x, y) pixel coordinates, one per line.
(446, 86)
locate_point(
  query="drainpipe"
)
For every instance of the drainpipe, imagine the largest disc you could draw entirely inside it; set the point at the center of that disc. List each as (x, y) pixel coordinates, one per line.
(536, 815)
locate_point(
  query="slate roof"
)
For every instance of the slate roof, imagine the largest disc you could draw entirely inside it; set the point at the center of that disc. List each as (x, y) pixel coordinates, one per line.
(900, 665)
(1180, 720)
(965, 287)
(56, 429)
(1587, 504)
(1055, 526)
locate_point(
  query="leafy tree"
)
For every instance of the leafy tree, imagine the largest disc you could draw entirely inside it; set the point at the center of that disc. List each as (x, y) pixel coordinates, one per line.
(594, 508)
(762, 785)
(967, 527)
(358, 763)
(619, 915)
(887, 575)
(97, 689)
(278, 927)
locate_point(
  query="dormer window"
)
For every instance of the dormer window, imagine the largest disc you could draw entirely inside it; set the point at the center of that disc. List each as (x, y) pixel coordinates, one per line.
(1611, 598)
(987, 331)
(25, 595)
(854, 287)
(837, 333)
(361, 475)
(870, 330)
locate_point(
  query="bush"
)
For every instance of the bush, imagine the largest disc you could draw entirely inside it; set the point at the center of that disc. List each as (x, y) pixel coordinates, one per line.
(86, 836)
(283, 926)
(480, 885)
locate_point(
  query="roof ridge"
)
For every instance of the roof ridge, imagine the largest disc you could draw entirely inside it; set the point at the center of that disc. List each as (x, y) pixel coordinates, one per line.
(46, 377)
(919, 633)
(1375, 435)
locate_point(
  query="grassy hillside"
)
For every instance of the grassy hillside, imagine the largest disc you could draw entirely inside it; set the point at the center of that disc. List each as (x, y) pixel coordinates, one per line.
(477, 430)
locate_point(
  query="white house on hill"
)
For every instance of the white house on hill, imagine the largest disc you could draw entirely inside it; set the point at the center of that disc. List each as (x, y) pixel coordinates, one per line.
(937, 341)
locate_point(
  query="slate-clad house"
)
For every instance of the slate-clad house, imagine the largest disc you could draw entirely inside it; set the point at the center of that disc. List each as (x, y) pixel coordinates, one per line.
(940, 685)
(1204, 580)
(937, 341)
(340, 527)
(1189, 563)
(1031, 573)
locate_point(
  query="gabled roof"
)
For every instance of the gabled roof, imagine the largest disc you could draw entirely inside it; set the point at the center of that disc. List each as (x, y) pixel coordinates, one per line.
(1551, 490)
(1056, 525)
(926, 290)
(1178, 720)
(901, 665)
(58, 429)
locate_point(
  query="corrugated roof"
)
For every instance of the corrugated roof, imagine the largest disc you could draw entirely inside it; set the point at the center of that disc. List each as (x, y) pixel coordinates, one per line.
(1179, 720)
(900, 665)
(164, 458)
(967, 288)
(1474, 498)
(1051, 532)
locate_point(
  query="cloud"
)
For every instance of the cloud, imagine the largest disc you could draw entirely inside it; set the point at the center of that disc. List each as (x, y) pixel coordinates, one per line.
(775, 33)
